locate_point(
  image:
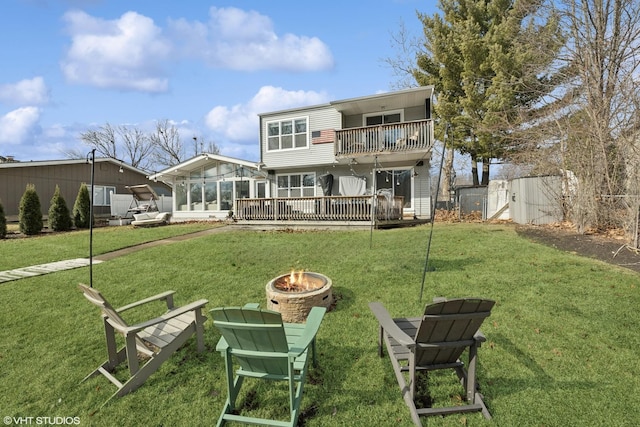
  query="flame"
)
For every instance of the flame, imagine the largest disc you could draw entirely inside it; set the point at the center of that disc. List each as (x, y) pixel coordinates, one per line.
(298, 279)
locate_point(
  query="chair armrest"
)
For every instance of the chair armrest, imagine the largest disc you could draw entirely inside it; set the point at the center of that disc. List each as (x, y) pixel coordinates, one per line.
(252, 305)
(479, 337)
(169, 315)
(309, 333)
(387, 323)
(168, 296)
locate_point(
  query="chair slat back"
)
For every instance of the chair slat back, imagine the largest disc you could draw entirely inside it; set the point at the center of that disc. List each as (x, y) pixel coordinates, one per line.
(95, 297)
(256, 338)
(448, 327)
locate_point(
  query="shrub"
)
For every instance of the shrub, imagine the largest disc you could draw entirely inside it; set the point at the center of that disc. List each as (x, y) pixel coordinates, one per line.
(30, 216)
(3, 223)
(59, 216)
(82, 208)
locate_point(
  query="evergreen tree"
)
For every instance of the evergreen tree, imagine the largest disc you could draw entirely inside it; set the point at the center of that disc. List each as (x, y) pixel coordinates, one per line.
(3, 222)
(489, 61)
(30, 215)
(82, 208)
(59, 216)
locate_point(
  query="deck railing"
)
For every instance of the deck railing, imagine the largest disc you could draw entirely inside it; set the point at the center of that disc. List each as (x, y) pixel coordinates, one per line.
(392, 138)
(334, 208)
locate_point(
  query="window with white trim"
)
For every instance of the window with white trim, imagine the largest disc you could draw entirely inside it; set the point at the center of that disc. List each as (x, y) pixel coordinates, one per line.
(287, 134)
(296, 185)
(102, 195)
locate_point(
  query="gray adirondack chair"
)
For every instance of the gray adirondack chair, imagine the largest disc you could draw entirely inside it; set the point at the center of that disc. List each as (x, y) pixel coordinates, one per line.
(156, 339)
(265, 347)
(435, 341)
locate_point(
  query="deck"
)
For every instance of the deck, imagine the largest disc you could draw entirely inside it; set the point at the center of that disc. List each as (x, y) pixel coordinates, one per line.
(325, 208)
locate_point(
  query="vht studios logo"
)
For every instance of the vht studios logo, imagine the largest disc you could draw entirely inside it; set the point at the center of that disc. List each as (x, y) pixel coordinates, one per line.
(43, 421)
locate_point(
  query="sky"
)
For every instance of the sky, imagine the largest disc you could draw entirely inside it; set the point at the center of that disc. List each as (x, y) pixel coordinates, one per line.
(208, 67)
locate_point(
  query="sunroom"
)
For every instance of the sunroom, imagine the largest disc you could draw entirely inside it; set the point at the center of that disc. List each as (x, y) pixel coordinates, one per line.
(207, 186)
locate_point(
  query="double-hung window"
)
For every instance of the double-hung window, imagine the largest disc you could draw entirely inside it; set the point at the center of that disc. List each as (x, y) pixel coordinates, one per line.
(297, 185)
(287, 134)
(102, 195)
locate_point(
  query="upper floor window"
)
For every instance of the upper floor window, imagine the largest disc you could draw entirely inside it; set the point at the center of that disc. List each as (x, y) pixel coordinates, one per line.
(374, 119)
(287, 134)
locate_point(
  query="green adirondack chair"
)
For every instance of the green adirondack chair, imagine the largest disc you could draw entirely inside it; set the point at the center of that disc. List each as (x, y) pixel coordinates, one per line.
(264, 347)
(436, 340)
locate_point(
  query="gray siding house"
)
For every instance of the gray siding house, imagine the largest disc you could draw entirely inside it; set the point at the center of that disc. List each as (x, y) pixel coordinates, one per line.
(110, 176)
(351, 161)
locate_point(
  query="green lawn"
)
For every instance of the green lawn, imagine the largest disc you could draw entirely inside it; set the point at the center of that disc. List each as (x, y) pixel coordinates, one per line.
(561, 341)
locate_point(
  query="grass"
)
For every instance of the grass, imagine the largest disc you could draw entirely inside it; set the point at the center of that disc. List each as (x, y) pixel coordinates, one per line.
(45, 247)
(561, 350)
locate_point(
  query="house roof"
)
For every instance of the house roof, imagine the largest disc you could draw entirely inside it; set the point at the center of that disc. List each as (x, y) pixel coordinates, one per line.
(413, 97)
(41, 163)
(196, 162)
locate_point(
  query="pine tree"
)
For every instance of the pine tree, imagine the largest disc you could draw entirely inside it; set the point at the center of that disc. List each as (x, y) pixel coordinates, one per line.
(82, 208)
(490, 63)
(59, 216)
(3, 222)
(30, 215)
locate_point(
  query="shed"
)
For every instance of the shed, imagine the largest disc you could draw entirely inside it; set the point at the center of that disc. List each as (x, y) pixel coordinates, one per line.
(536, 200)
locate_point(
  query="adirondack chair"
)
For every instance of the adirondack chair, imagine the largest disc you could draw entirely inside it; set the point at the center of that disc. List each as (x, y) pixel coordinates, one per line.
(435, 341)
(266, 348)
(156, 339)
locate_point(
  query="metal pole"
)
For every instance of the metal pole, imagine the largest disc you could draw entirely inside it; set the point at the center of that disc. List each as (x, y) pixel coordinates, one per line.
(433, 211)
(93, 168)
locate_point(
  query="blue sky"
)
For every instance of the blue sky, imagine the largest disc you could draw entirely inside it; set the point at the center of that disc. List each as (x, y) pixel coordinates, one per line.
(209, 67)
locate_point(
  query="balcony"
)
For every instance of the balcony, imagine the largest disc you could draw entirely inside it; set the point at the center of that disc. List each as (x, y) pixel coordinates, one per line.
(397, 138)
(334, 208)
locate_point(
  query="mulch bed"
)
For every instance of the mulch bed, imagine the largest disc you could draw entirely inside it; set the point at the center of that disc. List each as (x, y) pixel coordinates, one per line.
(610, 248)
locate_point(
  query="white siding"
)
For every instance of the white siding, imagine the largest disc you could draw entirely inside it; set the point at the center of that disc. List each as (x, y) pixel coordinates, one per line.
(422, 192)
(315, 154)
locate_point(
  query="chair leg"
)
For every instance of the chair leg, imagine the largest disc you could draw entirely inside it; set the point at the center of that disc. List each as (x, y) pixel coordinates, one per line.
(471, 374)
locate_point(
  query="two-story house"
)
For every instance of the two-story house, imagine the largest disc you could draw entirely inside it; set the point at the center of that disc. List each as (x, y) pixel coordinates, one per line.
(355, 160)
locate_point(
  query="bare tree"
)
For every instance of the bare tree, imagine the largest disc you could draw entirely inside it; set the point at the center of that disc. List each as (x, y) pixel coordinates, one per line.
(137, 146)
(598, 134)
(168, 148)
(103, 139)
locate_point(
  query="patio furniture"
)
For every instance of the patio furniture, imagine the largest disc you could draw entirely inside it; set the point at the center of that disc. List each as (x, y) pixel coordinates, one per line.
(155, 340)
(149, 219)
(435, 341)
(265, 348)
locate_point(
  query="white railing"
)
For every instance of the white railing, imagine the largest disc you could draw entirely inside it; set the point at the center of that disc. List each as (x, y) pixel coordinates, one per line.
(335, 208)
(393, 138)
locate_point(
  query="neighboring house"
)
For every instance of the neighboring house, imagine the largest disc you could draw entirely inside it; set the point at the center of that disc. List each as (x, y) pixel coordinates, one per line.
(340, 161)
(110, 176)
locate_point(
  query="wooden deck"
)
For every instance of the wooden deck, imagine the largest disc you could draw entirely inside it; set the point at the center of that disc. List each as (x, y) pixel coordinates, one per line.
(333, 208)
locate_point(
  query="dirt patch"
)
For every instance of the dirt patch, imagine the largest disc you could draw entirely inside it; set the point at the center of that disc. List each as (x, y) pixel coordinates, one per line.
(610, 247)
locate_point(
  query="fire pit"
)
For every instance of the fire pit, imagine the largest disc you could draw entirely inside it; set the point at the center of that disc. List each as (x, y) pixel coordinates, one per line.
(293, 295)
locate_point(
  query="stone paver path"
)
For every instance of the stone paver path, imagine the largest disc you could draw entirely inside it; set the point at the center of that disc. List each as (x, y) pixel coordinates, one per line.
(36, 270)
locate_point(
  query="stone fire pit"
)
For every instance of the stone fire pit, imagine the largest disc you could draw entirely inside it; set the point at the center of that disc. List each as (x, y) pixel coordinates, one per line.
(293, 295)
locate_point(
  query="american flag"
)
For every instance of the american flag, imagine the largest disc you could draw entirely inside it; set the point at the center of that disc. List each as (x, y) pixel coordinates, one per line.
(323, 136)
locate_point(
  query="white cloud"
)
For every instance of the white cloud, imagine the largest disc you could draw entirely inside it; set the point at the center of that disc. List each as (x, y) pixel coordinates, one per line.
(126, 53)
(25, 92)
(241, 40)
(17, 125)
(240, 122)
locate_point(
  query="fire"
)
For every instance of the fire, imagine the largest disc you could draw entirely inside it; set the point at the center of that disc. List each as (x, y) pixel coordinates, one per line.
(298, 281)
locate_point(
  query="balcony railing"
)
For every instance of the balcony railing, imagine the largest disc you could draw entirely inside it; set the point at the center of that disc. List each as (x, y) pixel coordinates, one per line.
(392, 138)
(336, 208)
